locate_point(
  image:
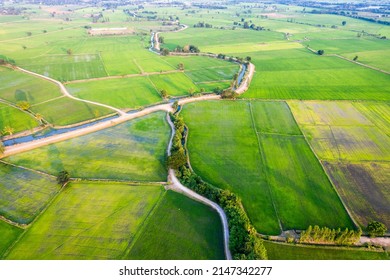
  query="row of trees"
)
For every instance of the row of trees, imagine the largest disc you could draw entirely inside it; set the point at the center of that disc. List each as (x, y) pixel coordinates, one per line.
(318, 234)
(202, 24)
(244, 243)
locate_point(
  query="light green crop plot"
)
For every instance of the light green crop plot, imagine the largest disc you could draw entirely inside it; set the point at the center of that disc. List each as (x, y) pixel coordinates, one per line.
(130, 151)
(176, 84)
(18, 120)
(8, 235)
(16, 86)
(97, 221)
(171, 232)
(121, 93)
(298, 74)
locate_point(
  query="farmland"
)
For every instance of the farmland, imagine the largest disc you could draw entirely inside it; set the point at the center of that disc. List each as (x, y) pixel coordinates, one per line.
(141, 156)
(162, 232)
(78, 234)
(351, 141)
(263, 156)
(119, 212)
(24, 193)
(307, 143)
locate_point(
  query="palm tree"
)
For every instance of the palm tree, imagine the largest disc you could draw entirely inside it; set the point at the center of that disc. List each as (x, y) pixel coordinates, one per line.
(2, 149)
(39, 117)
(8, 130)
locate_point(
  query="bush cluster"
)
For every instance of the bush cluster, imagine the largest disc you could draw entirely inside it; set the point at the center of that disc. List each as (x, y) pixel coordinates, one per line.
(244, 243)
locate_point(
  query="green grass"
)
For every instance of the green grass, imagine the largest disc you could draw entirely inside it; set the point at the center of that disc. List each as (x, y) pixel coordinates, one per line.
(298, 74)
(280, 251)
(129, 92)
(176, 84)
(180, 229)
(192, 63)
(377, 113)
(66, 111)
(130, 151)
(18, 120)
(88, 221)
(8, 234)
(23, 193)
(16, 86)
(271, 168)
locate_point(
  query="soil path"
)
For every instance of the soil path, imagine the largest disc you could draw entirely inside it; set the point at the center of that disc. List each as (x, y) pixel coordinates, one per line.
(380, 241)
(65, 92)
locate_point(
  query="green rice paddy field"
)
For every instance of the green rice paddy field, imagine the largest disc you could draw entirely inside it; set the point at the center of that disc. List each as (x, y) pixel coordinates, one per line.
(260, 154)
(8, 235)
(104, 220)
(24, 193)
(15, 118)
(135, 151)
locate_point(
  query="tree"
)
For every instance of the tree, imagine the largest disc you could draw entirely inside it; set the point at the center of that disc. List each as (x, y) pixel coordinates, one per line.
(246, 25)
(24, 105)
(180, 66)
(344, 23)
(320, 52)
(161, 40)
(69, 51)
(8, 130)
(29, 33)
(2, 148)
(164, 93)
(39, 117)
(175, 105)
(248, 58)
(63, 177)
(164, 52)
(191, 91)
(355, 58)
(376, 228)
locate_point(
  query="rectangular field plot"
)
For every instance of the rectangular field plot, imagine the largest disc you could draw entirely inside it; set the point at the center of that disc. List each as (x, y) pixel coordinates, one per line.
(171, 232)
(364, 187)
(339, 131)
(283, 251)
(135, 151)
(176, 84)
(192, 63)
(23, 193)
(8, 234)
(17, 119)
(377, 113)
(122, 93)
(66, 111)
(223, 150)
(298, 74)
(67, 67)
(267, 163)
(213, 74)
(16, 86)
(89, 221)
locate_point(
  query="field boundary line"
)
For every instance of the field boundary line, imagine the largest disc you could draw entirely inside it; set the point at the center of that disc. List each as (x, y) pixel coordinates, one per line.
(104, 64)
(144, 223)
(263, 168)
(13, 223)
(326, 174)
(28, 169)
(139, 67)
(46, 101)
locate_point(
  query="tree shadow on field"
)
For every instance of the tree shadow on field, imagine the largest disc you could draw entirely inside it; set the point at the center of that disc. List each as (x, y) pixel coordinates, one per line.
(20, 95)
(53, 155)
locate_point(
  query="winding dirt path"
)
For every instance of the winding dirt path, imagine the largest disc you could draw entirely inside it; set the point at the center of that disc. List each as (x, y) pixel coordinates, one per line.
(65, 92)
